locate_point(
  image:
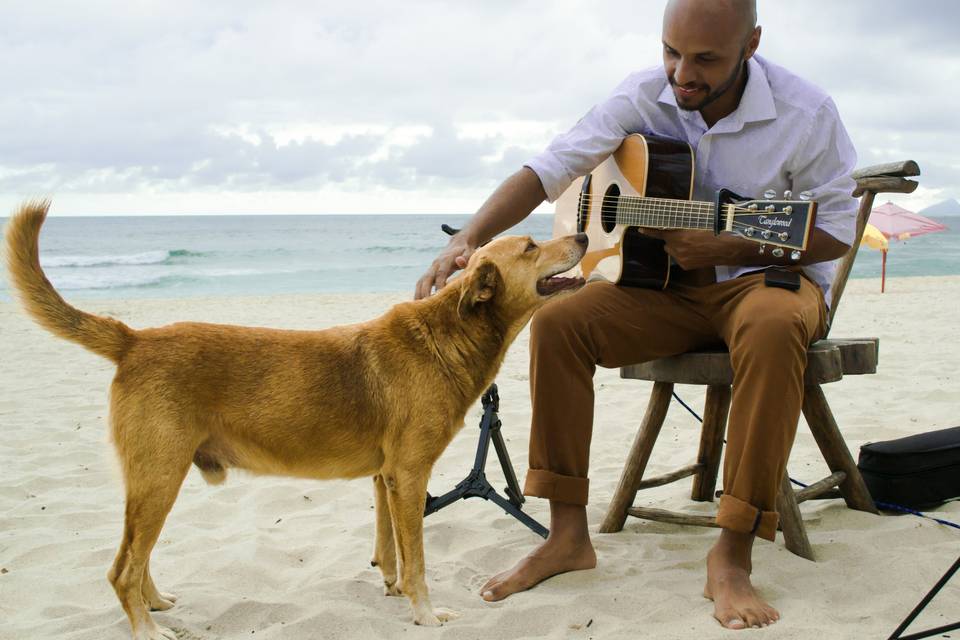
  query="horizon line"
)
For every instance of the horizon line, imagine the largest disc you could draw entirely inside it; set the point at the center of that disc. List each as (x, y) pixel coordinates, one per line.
(175, 215)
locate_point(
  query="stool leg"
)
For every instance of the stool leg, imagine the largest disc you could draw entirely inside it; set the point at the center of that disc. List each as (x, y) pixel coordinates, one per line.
(834, 449)
(636, 462)
(715, 411)
(794, 533)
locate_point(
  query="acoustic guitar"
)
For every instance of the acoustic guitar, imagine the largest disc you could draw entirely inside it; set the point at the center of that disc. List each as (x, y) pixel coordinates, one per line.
(648, 182)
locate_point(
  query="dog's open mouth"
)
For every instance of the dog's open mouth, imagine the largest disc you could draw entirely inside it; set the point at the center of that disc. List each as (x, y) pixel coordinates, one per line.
(554, 284)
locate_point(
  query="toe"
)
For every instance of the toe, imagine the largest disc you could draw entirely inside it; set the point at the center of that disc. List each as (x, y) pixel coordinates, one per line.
(734, 623)
(729, 618)
(491, 590)
(497, 592)
(491, 595)
(492, 582)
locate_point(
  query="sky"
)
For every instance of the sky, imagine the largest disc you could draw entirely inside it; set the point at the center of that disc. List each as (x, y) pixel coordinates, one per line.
(213, 107)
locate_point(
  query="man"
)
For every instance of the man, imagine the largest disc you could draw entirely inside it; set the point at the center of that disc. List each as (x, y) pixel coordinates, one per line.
(753, 126)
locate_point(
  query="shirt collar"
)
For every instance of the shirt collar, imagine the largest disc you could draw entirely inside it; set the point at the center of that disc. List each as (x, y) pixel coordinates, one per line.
(756, 103)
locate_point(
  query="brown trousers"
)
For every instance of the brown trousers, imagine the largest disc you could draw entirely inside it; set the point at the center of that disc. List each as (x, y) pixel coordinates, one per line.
(767, 331)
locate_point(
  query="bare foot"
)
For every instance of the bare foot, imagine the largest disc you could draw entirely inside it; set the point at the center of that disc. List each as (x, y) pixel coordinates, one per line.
(736, 604)
(546, 561)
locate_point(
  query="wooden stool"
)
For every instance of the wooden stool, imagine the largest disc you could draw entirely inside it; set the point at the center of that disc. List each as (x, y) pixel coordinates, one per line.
(827, 361)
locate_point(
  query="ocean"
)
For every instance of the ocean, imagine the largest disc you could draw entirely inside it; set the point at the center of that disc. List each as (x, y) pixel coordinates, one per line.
(186, 256)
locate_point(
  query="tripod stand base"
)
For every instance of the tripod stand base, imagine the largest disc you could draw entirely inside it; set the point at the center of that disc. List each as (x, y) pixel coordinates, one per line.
(475, 485)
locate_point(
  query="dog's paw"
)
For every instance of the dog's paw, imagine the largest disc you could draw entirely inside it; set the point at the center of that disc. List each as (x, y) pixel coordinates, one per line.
(154, 632)
(161, 601)
(392, 589)
(445, 615)
(435, 618)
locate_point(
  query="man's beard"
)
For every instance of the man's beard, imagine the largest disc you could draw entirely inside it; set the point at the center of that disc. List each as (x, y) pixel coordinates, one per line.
(712, 95)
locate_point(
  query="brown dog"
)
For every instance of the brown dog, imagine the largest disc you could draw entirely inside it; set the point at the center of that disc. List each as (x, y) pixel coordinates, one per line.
(381, 398)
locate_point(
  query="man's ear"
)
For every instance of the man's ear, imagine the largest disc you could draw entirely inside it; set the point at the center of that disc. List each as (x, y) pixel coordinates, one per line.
(479, 285)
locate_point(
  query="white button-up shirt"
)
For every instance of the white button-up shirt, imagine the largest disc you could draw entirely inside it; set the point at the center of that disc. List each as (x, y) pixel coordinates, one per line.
(786, 134)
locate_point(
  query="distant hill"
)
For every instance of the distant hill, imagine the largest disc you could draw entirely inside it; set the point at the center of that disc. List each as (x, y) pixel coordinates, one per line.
(946, 208)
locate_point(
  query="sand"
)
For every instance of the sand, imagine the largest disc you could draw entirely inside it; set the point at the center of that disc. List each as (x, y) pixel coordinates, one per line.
(273, 557)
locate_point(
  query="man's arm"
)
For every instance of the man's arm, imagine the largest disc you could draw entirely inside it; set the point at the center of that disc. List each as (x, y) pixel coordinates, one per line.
(513, 201)
(546, 176)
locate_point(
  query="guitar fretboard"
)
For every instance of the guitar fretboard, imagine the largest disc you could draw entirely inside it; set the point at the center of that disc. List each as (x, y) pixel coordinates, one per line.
(665, 213)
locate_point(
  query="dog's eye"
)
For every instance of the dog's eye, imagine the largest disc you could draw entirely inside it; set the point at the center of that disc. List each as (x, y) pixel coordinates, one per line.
(530, 247)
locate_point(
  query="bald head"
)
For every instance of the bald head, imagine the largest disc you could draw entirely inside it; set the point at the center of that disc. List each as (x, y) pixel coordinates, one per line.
(706, 46)
(730, 16)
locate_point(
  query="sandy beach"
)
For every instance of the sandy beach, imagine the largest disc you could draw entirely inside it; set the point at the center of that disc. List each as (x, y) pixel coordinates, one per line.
(270, 557)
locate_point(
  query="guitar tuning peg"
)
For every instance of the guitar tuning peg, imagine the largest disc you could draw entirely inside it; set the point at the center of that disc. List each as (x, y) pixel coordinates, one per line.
(794, 255)
(777, 253)
(788, 195)
(763, 249)
(806, 195)
(769, 194)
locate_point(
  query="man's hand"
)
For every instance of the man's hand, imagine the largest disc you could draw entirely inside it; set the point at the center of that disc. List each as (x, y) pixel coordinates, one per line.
(693, 249)
(509, 204)
(451, 259)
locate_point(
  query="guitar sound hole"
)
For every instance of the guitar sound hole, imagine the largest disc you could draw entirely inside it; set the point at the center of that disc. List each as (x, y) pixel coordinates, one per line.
(608, 211)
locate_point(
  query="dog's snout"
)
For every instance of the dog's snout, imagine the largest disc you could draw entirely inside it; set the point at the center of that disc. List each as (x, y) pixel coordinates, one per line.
(581, 239)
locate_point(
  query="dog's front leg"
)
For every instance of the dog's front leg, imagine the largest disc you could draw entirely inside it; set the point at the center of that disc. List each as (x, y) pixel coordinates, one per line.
(384, 550)
(406, 494)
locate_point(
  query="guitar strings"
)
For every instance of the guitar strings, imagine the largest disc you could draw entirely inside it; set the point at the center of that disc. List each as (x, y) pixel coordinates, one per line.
(670, 201)
(741, 226)
(676, 207)
(771, 241)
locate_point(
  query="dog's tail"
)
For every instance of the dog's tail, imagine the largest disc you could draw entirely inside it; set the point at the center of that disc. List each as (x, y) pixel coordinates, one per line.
(104, 336)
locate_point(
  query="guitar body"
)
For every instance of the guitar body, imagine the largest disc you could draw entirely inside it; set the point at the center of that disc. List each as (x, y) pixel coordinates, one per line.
(643, 166)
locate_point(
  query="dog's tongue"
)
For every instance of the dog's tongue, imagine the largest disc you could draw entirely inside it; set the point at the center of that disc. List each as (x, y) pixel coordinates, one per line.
(557, 283)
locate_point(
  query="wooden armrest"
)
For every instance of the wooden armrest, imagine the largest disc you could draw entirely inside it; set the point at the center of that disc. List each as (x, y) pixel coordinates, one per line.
(886, 178)
(901, 169)
(884, 184)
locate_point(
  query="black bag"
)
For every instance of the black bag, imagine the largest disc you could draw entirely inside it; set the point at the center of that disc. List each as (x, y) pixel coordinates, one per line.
(918, 471)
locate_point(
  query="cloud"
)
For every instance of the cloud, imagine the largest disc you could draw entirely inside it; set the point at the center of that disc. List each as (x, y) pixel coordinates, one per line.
(111, 97)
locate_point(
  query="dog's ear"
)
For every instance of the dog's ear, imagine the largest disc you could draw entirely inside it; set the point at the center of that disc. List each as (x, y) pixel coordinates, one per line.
(479, 286)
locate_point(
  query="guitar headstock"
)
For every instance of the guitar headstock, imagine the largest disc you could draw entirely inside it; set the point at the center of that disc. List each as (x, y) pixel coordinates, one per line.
(780, 223)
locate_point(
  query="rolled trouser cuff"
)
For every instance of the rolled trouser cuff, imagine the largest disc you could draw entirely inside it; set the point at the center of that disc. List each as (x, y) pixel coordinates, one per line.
(559, 488)
(736, 515)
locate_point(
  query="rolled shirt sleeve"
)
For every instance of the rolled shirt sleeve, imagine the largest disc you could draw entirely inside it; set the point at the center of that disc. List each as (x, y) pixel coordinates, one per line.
(823, 165)
(590, 141)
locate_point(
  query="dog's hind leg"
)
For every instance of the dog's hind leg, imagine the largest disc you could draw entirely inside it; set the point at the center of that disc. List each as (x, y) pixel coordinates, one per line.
(154, 466)
(385, 551)
(406, 494)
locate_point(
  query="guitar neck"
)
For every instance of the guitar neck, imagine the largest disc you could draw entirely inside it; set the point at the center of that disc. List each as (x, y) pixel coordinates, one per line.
(666, 213)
